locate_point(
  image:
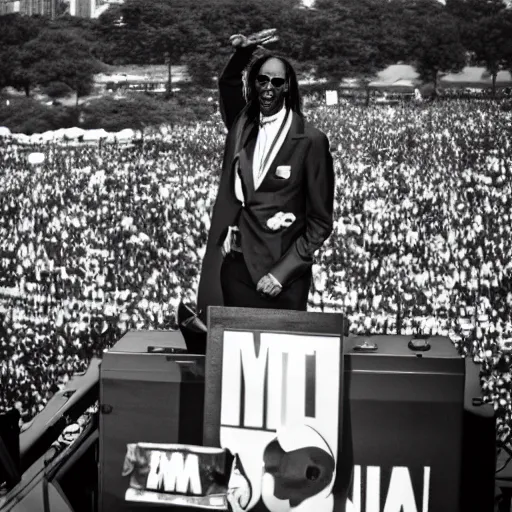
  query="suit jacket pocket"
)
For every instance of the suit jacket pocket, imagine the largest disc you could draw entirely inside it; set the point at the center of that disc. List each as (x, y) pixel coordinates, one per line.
(283, 172)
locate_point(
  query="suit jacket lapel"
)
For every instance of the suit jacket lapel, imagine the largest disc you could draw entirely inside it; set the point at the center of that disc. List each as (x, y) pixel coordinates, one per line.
(246, 158)
(242, 135)
(241, 162)
(245, 145)
(295, 136)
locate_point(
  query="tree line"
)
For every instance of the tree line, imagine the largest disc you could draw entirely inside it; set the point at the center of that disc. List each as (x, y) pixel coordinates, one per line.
(335, 40)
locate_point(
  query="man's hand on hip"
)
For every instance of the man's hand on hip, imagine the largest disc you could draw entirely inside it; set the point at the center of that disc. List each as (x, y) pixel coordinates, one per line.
(269, 285)
(259, 38)
(226, 246)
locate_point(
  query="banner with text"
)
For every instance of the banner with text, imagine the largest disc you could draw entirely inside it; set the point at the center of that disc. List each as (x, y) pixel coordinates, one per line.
(174, 474)
(280, 414)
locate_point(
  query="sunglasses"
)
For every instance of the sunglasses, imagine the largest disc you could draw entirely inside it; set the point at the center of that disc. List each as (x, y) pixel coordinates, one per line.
(276, 81)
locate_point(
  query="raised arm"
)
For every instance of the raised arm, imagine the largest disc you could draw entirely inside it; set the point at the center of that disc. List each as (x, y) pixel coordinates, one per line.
(232, 99)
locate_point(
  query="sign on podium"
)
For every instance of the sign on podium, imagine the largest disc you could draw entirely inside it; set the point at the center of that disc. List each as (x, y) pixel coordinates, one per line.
(274, 399)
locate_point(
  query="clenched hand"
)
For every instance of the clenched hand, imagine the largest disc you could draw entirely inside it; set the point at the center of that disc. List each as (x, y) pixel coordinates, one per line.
(259, 38)
(269, 285)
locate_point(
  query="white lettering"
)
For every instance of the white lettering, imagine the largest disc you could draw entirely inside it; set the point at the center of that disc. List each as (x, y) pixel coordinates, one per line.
(426, 488)
(275, 381)
(254, 380)
(232, 375)
(355, 504)
(400, 496)
(174, 473)
(372, 489)
(276, 376)
(281, 366)
(284, 388)
(400, 493)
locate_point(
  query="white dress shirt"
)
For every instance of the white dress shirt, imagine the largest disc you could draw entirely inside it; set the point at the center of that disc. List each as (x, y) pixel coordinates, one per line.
(269, 127)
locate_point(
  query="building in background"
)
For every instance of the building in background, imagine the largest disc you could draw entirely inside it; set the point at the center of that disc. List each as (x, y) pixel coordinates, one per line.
(9, 6)
(41, 7)
(90, 8)
(82, 8)
(29, 7)
(52, 8)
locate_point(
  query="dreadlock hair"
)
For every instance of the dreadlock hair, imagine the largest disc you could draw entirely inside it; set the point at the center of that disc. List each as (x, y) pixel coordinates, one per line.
(293, 100)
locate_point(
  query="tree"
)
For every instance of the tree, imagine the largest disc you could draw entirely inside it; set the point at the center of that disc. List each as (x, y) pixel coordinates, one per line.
(55, 56)
(61, 8)
(353, 37)
(433, 40)
(440, 49)
(223, 18)
(138, 112)
(124, 35)
(157, 32)
(469, 12)
(492, 45)
(173, 41)
(485, 28)
(15, 32)
(202, 68)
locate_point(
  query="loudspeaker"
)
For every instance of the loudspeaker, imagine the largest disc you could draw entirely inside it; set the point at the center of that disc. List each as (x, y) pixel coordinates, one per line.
(10, 464)
(151, 391)
(479, 446)
(403, 423)
(413, 437)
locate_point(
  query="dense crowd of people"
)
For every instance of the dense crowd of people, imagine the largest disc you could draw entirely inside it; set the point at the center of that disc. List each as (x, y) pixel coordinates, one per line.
(98, 240)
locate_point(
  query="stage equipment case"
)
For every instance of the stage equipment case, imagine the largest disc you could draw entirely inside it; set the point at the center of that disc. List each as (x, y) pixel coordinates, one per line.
(150, 392)
(403, 423)
(402, 409)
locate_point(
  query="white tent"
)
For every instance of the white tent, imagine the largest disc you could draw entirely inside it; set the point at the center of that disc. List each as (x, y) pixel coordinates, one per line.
(405, 82)
(92, 135)
(4, 131)
(397, 72)
(111, 137)
(125, 135)
(476, 76)
(59, 134)
(73, 133)
(397, 76)
(23, 138)
(36, 138)
(48, 136)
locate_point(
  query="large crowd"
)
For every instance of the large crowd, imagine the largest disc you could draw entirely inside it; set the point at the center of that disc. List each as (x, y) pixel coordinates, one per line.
(96, 240)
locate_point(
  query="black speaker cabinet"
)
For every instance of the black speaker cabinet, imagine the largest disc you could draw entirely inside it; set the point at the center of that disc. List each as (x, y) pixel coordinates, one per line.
(403, 424)
(150, 392)
(413, 437)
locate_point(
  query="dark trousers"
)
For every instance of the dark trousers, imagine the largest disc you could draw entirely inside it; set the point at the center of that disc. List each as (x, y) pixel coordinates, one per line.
(239, 290)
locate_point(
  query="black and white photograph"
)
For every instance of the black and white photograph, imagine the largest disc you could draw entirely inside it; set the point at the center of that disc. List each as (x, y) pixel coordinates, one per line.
(256, 255)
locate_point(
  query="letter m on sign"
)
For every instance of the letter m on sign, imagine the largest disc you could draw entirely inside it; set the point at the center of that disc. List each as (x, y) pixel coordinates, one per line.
(174, 472)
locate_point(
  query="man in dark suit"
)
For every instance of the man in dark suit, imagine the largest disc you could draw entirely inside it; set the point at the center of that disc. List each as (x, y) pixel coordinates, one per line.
(275, 200)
